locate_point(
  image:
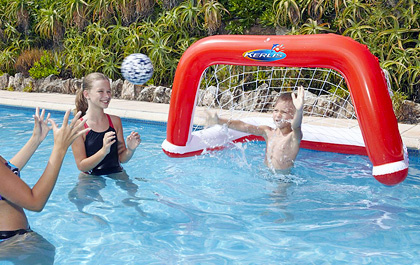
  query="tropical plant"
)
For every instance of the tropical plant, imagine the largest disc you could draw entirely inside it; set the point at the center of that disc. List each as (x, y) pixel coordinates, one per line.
(241, 15)
(50, 24)
(7, 60)
(75, 13)
(312, 27)
(95, 35)
(186, 14)
(159, 49)
(18, 12)
(287, 11)
(212, 11)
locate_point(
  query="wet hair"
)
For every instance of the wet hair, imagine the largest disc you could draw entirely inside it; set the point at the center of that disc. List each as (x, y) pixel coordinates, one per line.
(286, 96)
(81, 102)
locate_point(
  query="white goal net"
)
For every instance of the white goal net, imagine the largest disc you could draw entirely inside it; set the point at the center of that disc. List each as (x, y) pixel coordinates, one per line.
(248, 92)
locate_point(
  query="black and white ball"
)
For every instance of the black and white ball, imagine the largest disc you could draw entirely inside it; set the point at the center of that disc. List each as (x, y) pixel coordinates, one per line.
(137, 68)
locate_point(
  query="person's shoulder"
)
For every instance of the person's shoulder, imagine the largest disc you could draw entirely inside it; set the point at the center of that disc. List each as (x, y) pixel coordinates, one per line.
(114, 117)
(116, 120)
(265, 130)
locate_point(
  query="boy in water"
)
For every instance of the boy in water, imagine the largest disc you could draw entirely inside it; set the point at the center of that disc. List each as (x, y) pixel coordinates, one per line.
(283, 141)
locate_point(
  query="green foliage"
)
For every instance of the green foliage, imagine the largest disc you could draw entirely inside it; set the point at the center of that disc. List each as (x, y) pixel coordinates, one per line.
(96, 35)
(243, 14)
(339, 92)
(7, 60)
(44, 67)
(397, 102)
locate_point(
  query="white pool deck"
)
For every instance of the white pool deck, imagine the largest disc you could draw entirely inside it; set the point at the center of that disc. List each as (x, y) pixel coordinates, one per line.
(141, 110)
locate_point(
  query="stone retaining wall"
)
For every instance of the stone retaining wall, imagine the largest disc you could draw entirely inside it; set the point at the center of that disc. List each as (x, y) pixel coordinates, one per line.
(121, 89)
(409, 112)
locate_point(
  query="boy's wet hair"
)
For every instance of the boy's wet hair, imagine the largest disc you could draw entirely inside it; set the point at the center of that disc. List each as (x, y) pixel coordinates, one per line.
(285, 96)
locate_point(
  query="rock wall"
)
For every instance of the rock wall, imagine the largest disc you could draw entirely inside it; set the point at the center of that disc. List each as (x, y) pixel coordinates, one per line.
(122, 89)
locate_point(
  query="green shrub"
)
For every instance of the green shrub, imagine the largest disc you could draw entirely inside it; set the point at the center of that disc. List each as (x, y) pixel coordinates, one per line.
(398, 99)
(243, 14)
(44, 67)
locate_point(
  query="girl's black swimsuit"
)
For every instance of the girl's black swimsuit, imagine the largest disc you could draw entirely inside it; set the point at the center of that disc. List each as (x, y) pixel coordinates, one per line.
(93, 143)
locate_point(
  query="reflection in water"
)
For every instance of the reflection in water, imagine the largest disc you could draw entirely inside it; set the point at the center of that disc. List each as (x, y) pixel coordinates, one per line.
(279, 196)
(283, 181)
(27, 249)
(87, 191)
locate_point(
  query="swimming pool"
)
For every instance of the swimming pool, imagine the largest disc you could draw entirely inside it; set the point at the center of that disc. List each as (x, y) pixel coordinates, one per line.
(221, 208)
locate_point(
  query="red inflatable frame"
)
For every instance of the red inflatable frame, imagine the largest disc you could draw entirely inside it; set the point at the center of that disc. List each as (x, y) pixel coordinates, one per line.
(361, 70)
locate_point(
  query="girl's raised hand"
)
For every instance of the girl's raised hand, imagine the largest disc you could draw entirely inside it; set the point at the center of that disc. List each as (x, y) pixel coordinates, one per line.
(133, 140)
(64, 136)
(109, 139)
(41, 128)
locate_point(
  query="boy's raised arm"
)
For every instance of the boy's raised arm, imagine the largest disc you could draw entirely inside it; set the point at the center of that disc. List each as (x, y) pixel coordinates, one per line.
(213, 118)
(298, 101)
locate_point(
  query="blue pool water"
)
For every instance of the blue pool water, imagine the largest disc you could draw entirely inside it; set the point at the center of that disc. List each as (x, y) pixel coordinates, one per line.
(221, 208)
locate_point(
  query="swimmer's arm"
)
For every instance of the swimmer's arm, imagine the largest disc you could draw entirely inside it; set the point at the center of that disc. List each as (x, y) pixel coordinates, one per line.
(18, 192)
(243, 126)
(133, 140)
(40, 131)
(298, 101)
(297, 125)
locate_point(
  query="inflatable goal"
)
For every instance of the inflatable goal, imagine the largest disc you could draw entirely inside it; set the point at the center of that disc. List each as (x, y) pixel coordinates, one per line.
(347, 109)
